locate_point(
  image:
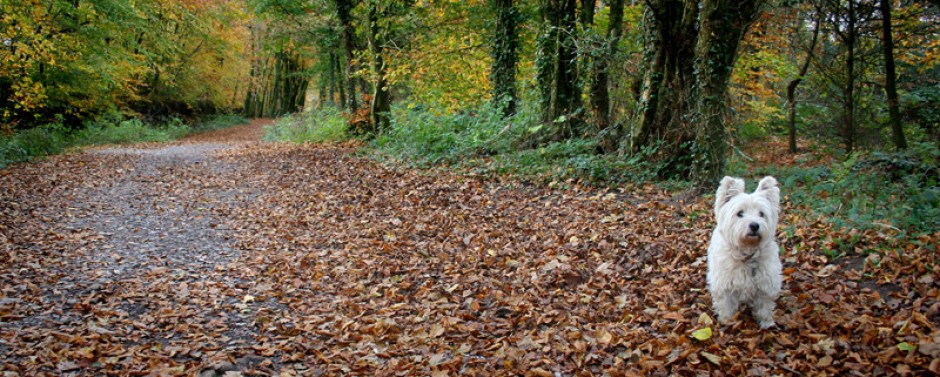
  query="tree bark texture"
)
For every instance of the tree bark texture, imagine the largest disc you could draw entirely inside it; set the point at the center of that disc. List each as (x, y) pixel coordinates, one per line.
(668, 79)
(348, 35)
(600, 80)
(381, 103)
(691, 46)
(722, 25)
(505, 55)
(556, 68)
(566, 95)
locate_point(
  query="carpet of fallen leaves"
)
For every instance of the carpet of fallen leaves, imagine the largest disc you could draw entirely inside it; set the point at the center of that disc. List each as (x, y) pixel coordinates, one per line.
(219, 255)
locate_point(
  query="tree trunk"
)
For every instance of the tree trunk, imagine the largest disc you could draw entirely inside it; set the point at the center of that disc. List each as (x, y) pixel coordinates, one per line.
(891, 91)
(381, 106)
(505, 55)
(544, 67)
(691, 46)
(331, 74)
(348, 34)
(566, 93)
(722, 25)
(556, 70)
(342, 83)
(600, 80)
(791, 88)
(848, 121)
(668, 76)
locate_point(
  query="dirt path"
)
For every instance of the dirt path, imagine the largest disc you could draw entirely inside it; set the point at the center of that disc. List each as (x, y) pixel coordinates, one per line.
(158, 261)
(222, 255)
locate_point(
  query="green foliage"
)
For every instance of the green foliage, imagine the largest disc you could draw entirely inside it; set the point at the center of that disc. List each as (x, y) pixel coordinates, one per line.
(111, 128)
(35, 142)
(424, 138)
(322, 125)
(869, 191)
(86, 58)
(922, 105)
(483, 142)
(218, 122)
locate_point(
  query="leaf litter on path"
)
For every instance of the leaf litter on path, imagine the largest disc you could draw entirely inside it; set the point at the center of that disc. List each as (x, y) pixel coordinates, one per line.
(221, 256)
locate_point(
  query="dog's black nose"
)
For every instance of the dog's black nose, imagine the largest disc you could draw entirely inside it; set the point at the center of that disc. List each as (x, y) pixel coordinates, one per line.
(754, 227)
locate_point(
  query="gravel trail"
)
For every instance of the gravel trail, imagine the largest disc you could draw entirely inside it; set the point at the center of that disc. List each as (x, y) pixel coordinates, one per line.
(157, 263)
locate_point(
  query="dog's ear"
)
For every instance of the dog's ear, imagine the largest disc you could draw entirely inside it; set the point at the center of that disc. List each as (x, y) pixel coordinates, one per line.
(727, 189)
(768, 188)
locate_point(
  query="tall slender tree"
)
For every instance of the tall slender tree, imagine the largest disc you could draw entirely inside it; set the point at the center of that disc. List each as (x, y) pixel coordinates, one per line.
(348, 35)
(891, 91)
(381, 102)
(556, 66)
(793, 84)
(600, 78)
(505, 54)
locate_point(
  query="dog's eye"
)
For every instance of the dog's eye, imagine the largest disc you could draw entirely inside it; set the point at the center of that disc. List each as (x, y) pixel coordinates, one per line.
(761, 213)
(740, 213)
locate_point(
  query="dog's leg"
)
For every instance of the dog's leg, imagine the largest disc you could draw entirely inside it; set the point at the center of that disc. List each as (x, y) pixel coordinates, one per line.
(763, 310)
(725, 306)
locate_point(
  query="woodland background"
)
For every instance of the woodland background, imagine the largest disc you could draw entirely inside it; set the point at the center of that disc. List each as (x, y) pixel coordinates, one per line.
(836, 97)
(555, 224)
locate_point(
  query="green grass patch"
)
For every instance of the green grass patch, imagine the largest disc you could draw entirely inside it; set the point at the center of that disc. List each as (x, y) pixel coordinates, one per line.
(109, 129)
(322, 125)
(218, 122)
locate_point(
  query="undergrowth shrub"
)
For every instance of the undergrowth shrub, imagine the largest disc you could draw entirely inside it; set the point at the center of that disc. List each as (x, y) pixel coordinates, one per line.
(218, 122)
(421, 137)
(35, 142)
(326, 124)
(485, 143)
(870, 190)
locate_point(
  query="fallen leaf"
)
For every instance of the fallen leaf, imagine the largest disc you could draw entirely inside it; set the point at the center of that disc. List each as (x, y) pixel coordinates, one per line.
(702, 334)
(712, 358)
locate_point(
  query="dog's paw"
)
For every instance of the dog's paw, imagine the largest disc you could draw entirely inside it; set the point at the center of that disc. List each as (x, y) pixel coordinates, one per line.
(767, 323)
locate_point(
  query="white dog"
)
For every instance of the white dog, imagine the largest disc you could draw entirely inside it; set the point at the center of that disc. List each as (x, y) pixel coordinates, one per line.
(743, 256)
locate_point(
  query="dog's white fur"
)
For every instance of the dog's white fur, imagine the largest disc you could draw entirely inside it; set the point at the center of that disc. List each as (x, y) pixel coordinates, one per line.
(743, 256)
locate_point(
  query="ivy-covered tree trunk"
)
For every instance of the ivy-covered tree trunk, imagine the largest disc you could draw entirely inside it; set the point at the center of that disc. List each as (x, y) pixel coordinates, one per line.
(557, 72)
(691, 46)
(600, 79)
(722, 25)
(381, 105)
(668, 78)
(544, 63)
(505, 55)
(566, 96)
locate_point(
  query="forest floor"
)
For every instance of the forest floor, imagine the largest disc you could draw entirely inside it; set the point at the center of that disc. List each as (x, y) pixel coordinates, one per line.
(222, 255)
